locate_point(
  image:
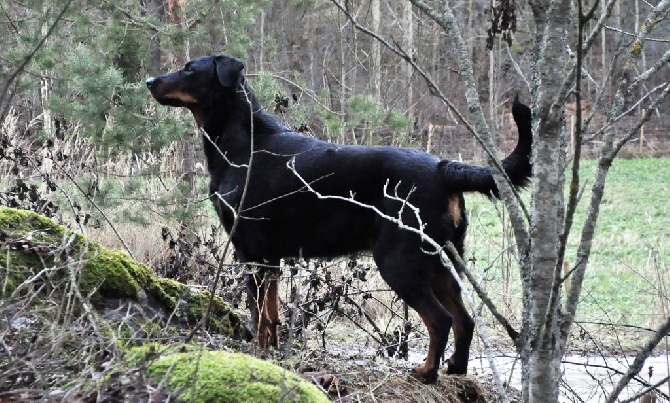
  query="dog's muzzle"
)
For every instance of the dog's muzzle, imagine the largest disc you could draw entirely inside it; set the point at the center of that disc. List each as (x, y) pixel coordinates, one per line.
(151, 82)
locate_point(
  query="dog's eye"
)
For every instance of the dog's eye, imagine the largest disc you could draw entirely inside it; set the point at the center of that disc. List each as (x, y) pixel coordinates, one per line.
(188, 68)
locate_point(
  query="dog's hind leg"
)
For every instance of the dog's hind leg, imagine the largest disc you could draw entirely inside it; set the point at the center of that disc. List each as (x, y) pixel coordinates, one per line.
(438, 322)
(410, 274)
(448, 292)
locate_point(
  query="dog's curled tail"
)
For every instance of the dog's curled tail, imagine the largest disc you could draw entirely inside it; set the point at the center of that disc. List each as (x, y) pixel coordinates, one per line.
(460, 177)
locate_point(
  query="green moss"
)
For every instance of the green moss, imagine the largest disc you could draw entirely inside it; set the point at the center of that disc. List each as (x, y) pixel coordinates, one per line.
(37, 227)
(221, 314)
(16, 265)
(222, 318)
(21, 219)
(109, 270)
(11, 264)
(32, 239)
(220, 376)
(167, 290)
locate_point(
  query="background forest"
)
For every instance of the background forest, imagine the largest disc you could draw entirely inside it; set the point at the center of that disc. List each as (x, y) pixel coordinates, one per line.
(346, 86)
(83, 142)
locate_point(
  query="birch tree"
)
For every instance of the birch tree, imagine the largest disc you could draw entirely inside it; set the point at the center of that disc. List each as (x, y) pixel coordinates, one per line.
(376, 76)
(408, 44)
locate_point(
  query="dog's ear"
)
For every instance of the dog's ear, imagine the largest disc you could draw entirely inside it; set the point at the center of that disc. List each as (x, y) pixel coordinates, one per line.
(229, 71)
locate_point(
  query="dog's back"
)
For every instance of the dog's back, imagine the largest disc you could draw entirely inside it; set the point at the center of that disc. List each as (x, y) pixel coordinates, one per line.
(297, 221)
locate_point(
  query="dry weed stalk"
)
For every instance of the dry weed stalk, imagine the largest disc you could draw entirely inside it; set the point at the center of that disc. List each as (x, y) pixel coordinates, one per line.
(54, 344)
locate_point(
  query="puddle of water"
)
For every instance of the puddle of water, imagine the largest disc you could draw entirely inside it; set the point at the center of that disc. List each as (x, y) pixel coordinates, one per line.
(585, 378)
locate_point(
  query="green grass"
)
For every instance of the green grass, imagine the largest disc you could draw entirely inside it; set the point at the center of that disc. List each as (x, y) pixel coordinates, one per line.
(629, 260)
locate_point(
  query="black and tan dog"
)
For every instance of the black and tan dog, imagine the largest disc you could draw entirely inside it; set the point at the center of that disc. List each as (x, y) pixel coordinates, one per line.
(281, 217)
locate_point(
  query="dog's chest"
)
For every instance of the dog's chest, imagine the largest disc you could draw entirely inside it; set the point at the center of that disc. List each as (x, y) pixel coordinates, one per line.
(225, 193)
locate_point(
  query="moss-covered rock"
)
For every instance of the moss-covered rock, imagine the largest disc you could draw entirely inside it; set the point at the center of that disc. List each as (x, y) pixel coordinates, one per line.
(31, 243)
(221, 376)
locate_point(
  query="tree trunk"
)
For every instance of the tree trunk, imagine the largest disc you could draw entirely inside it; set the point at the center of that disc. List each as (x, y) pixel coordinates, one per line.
(543, 350)
(186, 146)
(408, 44)
(45, 87)
(346, 50)
(376, 76)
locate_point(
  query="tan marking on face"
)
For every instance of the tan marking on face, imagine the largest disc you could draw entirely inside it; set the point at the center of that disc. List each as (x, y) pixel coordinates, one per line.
(454, 209)
(182, 96)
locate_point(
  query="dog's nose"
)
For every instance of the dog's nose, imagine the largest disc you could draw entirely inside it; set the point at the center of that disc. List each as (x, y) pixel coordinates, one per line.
(151, 81)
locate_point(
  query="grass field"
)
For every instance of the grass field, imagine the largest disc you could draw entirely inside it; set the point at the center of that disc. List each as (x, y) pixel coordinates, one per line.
(628, 276)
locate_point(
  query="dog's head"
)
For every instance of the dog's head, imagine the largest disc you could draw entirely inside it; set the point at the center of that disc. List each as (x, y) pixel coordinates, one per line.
(198, 82)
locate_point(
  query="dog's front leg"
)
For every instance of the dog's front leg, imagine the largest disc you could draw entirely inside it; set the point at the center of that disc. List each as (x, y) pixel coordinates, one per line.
(256, 296)
(271, 308)
(263, 302)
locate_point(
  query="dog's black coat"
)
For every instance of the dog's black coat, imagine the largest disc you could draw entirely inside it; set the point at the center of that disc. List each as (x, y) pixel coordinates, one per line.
(281, 218)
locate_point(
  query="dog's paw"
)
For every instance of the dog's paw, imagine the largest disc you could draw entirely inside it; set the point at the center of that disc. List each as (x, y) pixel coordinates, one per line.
(455, 369)
(274, 331)
(424, 375)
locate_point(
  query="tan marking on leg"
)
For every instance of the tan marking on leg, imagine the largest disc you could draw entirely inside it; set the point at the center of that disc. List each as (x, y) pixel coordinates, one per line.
(268, 324)
(427, 372)
(259, 315)
(271, 306)
(454, 209)
(462, 333)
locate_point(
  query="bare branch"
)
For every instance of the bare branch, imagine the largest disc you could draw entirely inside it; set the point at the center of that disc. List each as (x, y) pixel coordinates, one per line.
(621, 31)
(221, 153)
(647, 114)
(517, 68)
(481, 293)
(95, 205)
(446, 19)
(608, 153)
(614, 120)
(647, 390)
(656, 14)
(597, 29)
(640, 358)
(585, 47)
(305, 91)
(573, 196)
(642, 77)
